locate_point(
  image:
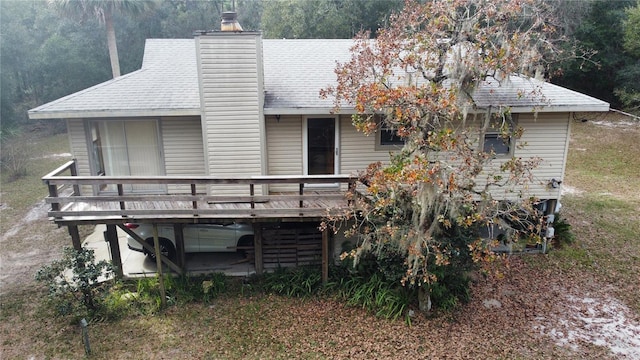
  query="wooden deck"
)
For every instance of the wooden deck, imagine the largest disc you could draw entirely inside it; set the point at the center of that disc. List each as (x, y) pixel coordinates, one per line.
(309, 203)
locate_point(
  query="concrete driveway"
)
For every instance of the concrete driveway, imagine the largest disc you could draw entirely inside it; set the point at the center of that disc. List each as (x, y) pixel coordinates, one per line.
(135, 264)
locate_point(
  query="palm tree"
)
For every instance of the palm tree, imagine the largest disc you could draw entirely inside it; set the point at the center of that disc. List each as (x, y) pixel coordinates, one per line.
(103, 11)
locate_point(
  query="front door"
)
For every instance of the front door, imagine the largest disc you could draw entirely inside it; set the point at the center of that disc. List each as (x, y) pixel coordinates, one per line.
(321, 155)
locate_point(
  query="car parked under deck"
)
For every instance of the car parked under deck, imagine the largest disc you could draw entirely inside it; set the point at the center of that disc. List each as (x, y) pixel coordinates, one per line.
(220, 237)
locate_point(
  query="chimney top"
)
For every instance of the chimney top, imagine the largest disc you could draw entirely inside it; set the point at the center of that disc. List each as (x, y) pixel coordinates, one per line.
(230, 22)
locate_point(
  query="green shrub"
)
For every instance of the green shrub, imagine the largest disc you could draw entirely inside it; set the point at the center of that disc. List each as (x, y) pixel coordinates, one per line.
(451, 289)
(178, 290)
(375, 281)
(563, 233)
(73, 282)
(120, 301)
(293, 282)
(374, 292)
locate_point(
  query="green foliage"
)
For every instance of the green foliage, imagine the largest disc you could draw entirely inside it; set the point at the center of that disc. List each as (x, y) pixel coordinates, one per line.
(369, 289)
(451, 289)
(563, 234)
(374, 292)
(295, 282)
(632, 30)
(601, 30)
(142, 296)
(324, 19)
(628, 90)
(73, 282)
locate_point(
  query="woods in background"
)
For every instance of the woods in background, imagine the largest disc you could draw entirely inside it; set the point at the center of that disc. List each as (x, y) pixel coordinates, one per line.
(45, 55)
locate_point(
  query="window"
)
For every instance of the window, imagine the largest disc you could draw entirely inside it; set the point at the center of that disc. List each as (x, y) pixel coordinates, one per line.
(497, 138)
(126, 148)
(388, 139)
(497, 143)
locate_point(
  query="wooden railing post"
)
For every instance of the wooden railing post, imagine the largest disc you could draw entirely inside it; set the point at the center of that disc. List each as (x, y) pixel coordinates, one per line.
(252, 193)
(53, 193)
(351, 189)
(301, 193)
(194, 203)
(73, 169)
(120, 193)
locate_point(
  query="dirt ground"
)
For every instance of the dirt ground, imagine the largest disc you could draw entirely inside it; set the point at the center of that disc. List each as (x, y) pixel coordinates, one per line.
(27, 245)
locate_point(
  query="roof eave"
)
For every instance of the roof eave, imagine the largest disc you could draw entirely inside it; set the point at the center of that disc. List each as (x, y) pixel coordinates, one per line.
(306, 111)
(561, 108)
(44, 115)
(603, 107)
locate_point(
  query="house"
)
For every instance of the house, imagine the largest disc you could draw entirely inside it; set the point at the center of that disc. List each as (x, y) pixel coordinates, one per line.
(230, 125)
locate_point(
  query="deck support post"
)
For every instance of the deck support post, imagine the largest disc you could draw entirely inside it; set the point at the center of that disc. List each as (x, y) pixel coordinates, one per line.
(325, 255)
(111, 235)
(257, 245)
(179, 236)
(75, 237)
(550, 210)
(156, 247)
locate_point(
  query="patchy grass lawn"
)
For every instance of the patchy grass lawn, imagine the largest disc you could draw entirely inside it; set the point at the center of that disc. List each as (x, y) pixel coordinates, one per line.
(547, 306)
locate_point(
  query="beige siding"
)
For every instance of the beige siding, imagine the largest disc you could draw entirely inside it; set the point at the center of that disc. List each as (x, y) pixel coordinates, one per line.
(183, 150)
(230, 73)
(79, 150)
(357, 149)
(284, 147)
(546, 137)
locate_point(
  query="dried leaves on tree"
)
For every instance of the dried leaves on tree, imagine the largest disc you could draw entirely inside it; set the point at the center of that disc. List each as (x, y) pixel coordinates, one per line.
(417, 79)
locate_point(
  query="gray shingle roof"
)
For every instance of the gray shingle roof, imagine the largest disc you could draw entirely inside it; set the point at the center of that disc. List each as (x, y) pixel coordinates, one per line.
(294, 73)
(522, 94)
(296, 70)
(166, 84)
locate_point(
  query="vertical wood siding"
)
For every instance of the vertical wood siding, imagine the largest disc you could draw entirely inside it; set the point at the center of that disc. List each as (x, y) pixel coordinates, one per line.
(284, 147)
(183, 149)
(230, 72)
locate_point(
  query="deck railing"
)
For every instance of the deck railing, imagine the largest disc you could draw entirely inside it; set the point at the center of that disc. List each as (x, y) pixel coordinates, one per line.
(315, 197)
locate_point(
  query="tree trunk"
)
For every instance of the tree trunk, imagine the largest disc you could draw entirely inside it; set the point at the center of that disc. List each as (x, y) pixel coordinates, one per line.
(111, 42)
(424, 299)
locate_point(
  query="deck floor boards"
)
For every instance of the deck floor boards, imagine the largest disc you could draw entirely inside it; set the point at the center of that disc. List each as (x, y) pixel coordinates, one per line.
(183, 211)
